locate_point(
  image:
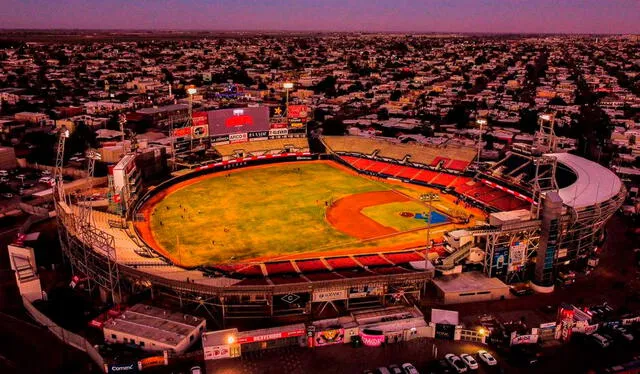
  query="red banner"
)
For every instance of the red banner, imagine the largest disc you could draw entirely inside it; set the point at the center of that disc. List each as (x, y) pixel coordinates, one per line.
(277, 335)
(182, 132)
(298, 111)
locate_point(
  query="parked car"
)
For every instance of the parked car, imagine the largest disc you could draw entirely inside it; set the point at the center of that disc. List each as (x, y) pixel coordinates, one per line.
(409, 368)
(622, 333)
(521, 290)
(439, 367)
(599, 340)
(469, 361)
(395, 369)
(7, 195)
(456, 363)
(487, 358)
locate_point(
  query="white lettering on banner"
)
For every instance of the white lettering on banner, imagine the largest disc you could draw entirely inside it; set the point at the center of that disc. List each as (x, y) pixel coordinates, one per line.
(524, 339)
(236, 138)
(278, 132)
(277, 335)
(122, 368)
(329, 295)
(547, 325)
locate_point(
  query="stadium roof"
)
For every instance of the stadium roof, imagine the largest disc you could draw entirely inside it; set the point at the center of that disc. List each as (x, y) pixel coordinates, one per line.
(595, 183)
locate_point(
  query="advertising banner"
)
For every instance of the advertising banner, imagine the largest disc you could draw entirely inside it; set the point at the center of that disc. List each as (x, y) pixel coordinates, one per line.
(328, 337)
(200, 128)
(279, 125)
(220, 139)
(329, 295)
(238, 120)
(300, 112)
(216, 352)
(238, 138)
(182, 132)
(445, 331)
(122, 368)
(524, 339)
(258, 135)
(296, 125)
(372, 338)
(278, 132)
(148, 362)
(277, 335)
(517, 255)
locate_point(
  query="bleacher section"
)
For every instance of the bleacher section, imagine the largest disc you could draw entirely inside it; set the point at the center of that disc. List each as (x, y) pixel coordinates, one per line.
(475, 190)
(263, 147)
(454, 157)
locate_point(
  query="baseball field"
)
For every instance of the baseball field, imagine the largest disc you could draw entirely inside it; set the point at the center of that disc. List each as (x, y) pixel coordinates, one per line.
(281, 210)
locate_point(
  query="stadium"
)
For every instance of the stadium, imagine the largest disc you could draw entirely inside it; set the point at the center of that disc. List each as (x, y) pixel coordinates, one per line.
(272, 229)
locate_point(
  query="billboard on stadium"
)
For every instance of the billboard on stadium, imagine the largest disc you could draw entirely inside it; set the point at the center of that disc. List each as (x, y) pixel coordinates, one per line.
(200, 127)
(238, 120)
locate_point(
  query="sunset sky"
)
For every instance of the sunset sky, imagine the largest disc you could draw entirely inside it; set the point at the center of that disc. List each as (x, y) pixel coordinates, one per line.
(534, 16)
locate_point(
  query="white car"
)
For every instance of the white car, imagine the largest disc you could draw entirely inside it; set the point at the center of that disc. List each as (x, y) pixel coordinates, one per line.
(409, 368)
(487, 358)
(456, 363)
(469, 361)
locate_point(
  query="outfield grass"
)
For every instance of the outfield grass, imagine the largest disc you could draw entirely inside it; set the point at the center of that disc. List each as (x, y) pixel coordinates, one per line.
(252, 213)
(389, 215)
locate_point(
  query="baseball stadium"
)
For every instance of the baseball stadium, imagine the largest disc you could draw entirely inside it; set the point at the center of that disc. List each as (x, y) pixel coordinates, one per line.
(271, 229)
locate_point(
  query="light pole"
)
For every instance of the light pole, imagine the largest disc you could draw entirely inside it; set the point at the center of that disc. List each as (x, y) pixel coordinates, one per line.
(428, 197)
(480, 122)
(287, 86)
(191, 91)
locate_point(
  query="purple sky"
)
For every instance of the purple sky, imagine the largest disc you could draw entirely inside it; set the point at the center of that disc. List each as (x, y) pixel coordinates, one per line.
(544, 16)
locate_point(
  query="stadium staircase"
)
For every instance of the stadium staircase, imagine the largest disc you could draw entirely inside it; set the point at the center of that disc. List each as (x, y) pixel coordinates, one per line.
(450, 261)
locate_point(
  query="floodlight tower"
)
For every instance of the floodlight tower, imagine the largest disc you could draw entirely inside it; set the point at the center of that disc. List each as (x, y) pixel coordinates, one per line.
(63, 134)
(481, 122)
(546, 137)
(86, 206)
(191, 91)
(428, 197)
(287, 86)
(122, 120)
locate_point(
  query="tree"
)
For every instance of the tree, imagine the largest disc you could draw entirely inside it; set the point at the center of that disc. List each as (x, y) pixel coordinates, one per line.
(327, 86)
(458, 115)
(81, 139)
(395, 95)
(333, 126)
(383, 114)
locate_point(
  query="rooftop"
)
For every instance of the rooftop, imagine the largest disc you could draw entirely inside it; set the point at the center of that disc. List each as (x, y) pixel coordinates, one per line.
(467, 282)
(595, 183)
(155, 324)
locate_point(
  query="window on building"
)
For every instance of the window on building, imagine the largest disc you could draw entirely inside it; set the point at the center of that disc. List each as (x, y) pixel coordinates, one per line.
(142, 344)
(191, 338)
(113, 336)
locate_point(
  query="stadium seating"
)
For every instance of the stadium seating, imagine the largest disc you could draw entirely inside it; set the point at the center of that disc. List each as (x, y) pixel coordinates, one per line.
(436, 161)
(403, 257)
(407, 172)
(393, 169)
(274, 268)
(377, 167)
(372, 260)
(308, 266)
(425, 176)
(322, 276)
(458, 165)
(286, 280)
(261, 147)
(390, 270)
(443, 179)
(250, 271)
(341, 263)
(355, 273)
(253, 282)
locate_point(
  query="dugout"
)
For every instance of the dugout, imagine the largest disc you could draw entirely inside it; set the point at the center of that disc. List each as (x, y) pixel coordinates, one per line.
(469, 287)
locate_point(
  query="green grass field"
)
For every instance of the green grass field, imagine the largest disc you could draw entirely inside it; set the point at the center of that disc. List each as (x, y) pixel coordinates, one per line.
(252, 213)
(389, 215)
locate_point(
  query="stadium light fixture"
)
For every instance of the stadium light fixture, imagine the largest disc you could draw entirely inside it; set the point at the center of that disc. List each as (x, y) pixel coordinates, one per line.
(287, 85)
(192, 91)
(482, 331)
(545, 117)
(64, 132)
(481, 122)
(231, 339)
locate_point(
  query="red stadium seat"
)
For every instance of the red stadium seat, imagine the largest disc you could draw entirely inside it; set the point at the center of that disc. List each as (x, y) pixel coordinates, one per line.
(372, 260)
(308, 266)
(322, 276)
(458, 165)
(274, 268)
(403, 257)
(341, 263)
